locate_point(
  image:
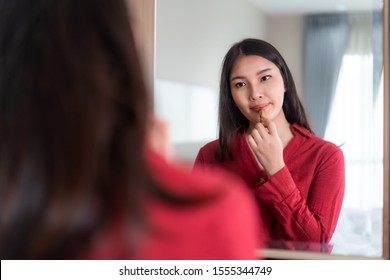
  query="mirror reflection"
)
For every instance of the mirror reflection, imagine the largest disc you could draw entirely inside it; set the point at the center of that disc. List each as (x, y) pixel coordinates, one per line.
(334, 51)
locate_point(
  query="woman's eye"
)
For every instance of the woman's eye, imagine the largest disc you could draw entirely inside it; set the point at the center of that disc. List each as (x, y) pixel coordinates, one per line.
(265, 78)
(239, 85)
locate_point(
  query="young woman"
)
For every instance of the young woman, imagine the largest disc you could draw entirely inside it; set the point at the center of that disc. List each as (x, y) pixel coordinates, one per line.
(79, 173)
(265, 138)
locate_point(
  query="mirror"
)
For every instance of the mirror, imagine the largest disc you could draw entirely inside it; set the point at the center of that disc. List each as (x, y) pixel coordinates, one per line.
(191, 39)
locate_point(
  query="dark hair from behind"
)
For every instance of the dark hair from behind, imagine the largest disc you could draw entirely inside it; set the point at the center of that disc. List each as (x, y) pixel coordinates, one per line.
(231, 120)
(73, 108)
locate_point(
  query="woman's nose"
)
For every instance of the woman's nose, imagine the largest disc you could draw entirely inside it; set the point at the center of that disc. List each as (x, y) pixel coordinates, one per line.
(255, 92)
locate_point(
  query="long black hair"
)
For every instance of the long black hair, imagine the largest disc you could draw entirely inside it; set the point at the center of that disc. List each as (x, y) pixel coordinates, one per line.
(73, 110)
(231, 120)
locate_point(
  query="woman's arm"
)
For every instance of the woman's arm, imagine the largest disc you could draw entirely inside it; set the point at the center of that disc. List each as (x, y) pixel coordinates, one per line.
(313, 218)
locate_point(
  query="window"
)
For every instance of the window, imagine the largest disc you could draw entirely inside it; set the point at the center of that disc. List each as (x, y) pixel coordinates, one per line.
(354, 112)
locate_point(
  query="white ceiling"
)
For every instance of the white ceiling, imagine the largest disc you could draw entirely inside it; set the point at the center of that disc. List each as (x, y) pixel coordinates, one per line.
(276, 7)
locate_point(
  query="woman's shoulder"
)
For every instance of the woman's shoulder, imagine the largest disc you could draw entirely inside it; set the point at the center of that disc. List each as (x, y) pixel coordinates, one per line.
(209, 147)
(315, 142)
(211, 208)
(180, 179)
(207, 154)
(202, 215)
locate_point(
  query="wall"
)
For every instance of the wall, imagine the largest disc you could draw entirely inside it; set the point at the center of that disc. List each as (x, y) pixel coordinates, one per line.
(192, 38)
(286, 34)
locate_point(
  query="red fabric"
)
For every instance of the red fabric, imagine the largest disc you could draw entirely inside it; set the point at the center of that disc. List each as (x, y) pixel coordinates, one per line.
(303, 200)
(220, 223)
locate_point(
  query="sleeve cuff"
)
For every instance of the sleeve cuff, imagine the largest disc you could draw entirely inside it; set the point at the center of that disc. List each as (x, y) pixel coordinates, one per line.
(277, 188)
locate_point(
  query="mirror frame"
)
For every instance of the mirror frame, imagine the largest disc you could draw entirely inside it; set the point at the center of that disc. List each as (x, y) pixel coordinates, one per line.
(386, 130)
(143, 16)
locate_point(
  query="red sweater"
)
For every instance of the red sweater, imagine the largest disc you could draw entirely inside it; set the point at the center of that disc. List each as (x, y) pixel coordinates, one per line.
(216, 219)
(303, 200)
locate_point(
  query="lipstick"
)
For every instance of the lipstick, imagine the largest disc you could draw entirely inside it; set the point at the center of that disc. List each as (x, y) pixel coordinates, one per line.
(261, 115)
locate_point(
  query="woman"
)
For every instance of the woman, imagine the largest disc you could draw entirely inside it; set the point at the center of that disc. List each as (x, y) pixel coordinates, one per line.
(80, 177)
(265, 138)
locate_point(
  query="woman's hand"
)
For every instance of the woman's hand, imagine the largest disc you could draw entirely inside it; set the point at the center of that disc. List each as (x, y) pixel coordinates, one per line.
(267, 147)
(158, 137)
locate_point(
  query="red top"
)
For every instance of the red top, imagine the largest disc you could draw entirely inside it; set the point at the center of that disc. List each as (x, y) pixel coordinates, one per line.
(303, 200)
(215, 219)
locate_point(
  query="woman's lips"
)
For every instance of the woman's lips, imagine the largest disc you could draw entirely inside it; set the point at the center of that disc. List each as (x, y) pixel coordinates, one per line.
(260, 110)
(260, 107)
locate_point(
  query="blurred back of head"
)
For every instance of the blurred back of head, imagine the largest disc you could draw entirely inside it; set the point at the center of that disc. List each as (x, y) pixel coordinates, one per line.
(73, 108)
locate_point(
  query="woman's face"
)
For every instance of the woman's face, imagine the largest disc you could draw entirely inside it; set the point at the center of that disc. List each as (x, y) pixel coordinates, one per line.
(257, 85)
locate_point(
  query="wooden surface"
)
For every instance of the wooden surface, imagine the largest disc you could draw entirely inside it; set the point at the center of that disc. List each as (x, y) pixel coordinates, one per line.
(386, 132)
(142, 14)
(280, 254)
(143, 22)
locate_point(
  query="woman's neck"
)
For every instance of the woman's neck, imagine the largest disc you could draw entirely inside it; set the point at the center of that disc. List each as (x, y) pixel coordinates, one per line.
(285, 133)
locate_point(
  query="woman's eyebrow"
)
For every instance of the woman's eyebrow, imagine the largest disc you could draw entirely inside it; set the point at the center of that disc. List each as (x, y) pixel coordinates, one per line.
(257, 74)
(262, 71)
